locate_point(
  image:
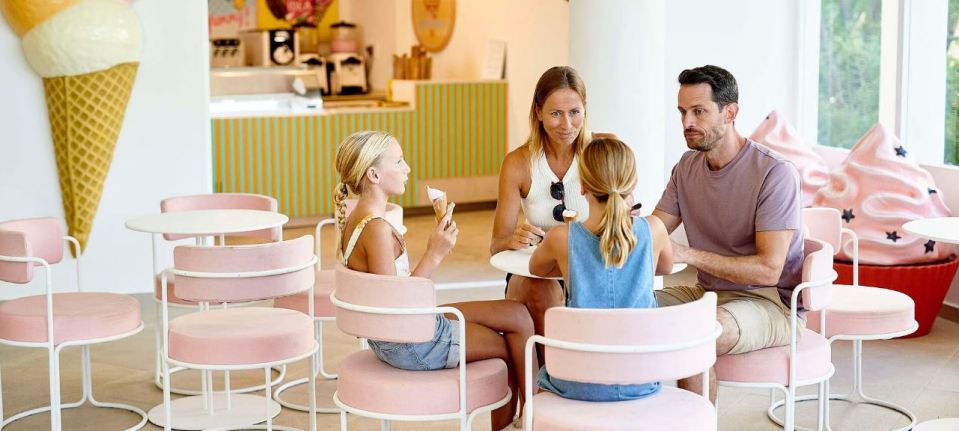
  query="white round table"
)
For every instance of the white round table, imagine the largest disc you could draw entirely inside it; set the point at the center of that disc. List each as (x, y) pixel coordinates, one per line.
(942, 229)
(517, 262)
(189, 412)
(207, 222)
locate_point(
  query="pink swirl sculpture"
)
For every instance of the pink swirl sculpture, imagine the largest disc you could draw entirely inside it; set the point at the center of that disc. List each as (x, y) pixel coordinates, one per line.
(781, 137)
(877, 189)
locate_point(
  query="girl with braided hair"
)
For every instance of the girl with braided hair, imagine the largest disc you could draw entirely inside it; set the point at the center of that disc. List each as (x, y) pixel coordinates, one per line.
(371, 166)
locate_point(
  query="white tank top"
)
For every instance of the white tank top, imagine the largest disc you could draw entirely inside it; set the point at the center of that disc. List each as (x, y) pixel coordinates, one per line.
(402, 262)
(538, 204)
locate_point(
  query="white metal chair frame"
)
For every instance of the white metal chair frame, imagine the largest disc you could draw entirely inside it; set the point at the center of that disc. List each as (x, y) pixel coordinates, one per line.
(53, 351)
(856, 394)
(318, 330)
(267, 367)
(158, 340)
(606, 348)
(789, 390)
(462, 415)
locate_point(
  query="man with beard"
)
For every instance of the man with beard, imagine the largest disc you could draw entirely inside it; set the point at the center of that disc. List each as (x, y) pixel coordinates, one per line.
(740, 205)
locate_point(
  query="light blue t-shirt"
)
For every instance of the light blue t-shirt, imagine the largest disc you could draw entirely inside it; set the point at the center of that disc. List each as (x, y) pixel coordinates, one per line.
(593, 285)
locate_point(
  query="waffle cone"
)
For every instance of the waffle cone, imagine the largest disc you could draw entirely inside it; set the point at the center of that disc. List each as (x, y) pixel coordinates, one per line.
(439, 208)
(86, 113)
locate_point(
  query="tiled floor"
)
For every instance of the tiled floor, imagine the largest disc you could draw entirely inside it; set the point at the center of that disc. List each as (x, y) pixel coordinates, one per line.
(922, 374)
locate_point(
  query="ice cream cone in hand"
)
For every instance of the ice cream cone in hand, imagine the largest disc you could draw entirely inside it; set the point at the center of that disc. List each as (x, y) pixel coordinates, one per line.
(87, 52)
(569, 216)
(438, 198)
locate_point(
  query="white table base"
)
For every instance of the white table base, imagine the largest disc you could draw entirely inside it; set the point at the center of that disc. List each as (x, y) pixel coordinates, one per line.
(189, 413)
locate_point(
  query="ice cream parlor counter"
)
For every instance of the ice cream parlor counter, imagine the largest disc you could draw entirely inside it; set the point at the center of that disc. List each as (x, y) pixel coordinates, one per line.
(453, 135)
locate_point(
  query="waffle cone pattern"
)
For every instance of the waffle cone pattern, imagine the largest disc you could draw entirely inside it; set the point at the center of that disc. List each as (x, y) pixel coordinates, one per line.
(86, 113)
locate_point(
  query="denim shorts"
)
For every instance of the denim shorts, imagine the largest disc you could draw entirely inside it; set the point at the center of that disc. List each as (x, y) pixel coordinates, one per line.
(442, 352)
(595, 391)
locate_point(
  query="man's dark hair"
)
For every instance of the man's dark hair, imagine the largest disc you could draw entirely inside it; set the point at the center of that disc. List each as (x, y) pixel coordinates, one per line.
(723, 83)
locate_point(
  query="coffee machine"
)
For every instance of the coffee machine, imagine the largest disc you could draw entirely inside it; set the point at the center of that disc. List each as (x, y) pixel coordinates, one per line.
(348, 73)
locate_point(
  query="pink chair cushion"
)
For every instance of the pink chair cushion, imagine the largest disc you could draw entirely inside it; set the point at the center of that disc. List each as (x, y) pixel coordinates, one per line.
(170, 291)
(867, 311)
(35, 237)
(76, 316)
(244, 258)
(817, 268)
(369, 384)
(772, 364)
(322, 288)
(243, 335)
(374, 290)
(668, 409)
(675, 325)
(824, 224)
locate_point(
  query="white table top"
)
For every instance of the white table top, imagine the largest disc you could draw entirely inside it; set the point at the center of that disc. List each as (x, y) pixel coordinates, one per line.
(944, 229)
(945, 424)
(207, 222)
(517, 262)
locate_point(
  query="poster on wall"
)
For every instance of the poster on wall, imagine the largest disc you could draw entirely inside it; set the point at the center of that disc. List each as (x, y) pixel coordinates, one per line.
(433, 22)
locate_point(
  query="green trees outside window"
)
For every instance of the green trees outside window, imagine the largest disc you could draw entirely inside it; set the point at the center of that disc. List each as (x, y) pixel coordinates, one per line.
(849, 70)
(952, 85)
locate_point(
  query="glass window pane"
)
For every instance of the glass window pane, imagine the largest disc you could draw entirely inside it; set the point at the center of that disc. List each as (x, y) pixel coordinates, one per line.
(848, 70)
(951, 155)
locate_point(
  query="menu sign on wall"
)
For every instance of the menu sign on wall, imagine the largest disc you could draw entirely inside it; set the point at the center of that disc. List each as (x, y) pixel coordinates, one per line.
(433, 22)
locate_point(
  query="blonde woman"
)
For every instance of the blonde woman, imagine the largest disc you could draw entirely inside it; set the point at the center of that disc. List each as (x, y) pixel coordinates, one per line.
(614, 255)
(371, 166)
(542, 178)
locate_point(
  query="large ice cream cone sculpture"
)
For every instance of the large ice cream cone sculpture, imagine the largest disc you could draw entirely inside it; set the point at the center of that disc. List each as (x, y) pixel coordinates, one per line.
(87, 52)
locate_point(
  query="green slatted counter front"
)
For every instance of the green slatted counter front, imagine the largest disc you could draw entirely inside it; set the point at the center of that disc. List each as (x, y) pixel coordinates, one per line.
(450, 130)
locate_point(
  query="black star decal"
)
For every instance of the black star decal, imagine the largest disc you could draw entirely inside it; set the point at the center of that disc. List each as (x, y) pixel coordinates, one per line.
(901, 151)
(929, 245)
(933, 191)
(894, 236)
(847, 215)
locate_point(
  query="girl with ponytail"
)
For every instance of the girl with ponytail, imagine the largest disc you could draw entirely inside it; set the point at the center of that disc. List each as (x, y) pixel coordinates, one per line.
(371, 167)
(610, 252)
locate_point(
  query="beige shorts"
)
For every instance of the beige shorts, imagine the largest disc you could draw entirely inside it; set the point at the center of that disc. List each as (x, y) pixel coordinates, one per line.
(762, 317)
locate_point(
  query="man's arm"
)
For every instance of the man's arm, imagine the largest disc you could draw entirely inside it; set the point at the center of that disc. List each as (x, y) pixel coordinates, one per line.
(670, 221)
(763, 268)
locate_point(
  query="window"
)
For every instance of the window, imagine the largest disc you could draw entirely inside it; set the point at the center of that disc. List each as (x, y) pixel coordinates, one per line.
(849, 64)
(951, 155)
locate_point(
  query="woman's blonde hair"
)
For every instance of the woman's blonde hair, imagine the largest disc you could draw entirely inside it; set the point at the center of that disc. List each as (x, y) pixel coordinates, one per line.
(356, 155)
(555, 78)
(607, 169)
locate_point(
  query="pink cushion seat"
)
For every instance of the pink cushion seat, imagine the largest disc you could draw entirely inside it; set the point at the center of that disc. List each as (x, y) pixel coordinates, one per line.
(77, 316)
(170, 291)
(322, 288)
(668, 409)
(367, 383)
(866, 310)
(244, 335)
(772, 364)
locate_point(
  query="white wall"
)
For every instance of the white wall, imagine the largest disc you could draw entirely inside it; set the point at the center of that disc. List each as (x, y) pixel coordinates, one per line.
(163, 149)
(757, 41)
(535, 31)
(624, 79)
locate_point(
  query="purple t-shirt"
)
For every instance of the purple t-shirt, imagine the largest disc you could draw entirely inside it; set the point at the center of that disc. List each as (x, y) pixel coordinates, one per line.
(722, 210)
